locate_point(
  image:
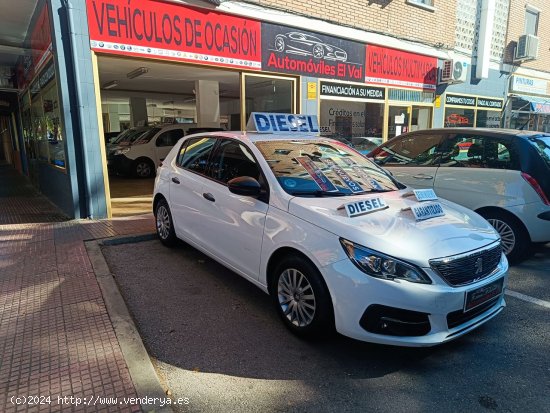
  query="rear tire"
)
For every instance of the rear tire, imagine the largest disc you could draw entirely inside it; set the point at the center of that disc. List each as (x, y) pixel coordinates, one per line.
(164, 224)
(514, 237)
(301, 298)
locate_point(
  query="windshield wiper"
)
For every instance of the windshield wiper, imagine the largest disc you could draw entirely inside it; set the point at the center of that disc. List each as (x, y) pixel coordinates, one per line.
(334, 193)
(376, 190)
(318, 193)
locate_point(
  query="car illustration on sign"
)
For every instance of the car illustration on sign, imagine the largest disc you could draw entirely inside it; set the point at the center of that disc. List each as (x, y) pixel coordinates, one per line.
(307, 45)
(455, 119)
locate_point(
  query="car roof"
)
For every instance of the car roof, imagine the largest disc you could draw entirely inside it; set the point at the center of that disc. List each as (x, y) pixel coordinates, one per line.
(487, 131)
(261, 137)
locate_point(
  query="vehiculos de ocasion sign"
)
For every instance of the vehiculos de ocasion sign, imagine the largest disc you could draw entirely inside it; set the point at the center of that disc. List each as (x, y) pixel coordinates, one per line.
(173, 32)
(296, 51)
(399, 68)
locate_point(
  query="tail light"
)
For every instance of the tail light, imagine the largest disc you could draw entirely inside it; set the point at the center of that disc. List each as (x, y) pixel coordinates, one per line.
(535, 185)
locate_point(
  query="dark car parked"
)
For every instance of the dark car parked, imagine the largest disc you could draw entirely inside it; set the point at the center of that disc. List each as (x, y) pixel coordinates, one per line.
(502, 174)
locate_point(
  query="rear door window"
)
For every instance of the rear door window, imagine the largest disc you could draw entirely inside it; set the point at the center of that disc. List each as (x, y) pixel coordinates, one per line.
(411, 150)
(478, 151)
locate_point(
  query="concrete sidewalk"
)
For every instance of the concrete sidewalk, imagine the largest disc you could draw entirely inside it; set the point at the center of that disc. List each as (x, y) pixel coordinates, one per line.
(56, 338)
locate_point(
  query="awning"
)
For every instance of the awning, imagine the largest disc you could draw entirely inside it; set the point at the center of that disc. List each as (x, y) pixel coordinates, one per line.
(532, 103)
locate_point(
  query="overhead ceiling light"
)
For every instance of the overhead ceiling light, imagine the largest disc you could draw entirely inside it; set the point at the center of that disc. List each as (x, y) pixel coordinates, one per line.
(138, 72)
(110, 85)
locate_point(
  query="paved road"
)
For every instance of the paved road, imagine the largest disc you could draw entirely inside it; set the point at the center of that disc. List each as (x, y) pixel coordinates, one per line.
(216, 340)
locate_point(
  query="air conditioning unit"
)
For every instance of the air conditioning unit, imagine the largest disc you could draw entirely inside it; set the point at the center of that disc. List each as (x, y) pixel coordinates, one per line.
(453, 71)
(528, 47)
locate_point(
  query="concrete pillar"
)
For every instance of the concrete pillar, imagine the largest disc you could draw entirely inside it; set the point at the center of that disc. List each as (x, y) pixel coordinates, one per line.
(208, 103)
(138, 111)
(77, 99)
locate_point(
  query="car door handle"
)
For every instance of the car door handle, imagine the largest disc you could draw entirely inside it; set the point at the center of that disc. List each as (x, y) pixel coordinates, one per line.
(422, 176)
(209, 196)
(175, 180)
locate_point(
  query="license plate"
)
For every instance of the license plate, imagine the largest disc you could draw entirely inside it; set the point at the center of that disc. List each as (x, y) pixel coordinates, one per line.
(481, 295)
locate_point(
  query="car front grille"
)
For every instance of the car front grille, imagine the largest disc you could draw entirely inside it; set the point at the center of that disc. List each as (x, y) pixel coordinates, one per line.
(467, 268)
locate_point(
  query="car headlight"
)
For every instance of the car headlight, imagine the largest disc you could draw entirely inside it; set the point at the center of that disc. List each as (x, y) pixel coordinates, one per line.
(122, 151)
(383, 266)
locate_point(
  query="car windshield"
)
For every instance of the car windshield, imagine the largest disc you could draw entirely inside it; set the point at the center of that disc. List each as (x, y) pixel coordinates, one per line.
(321, 167)
(129, 135)
(147, 136)
(542, 144)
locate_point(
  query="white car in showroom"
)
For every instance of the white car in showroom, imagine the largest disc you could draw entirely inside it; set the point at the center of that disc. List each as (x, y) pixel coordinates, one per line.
(336, 242)
(502, 174)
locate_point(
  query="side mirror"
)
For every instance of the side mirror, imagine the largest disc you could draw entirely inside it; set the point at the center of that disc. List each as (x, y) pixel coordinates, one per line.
(245, 185)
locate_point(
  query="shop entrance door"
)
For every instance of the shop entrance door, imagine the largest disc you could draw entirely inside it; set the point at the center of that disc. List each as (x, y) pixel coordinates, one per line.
(421, 118)
(398, 120)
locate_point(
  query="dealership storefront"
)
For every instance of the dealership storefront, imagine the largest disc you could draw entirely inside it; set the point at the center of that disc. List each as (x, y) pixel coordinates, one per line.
(156, 63)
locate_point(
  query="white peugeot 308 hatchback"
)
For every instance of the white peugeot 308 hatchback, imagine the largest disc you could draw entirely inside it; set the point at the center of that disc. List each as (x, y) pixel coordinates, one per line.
(336, 242)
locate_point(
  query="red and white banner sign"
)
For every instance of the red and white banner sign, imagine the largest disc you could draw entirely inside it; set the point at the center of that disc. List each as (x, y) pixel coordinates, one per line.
(398, 68)
(173, 32)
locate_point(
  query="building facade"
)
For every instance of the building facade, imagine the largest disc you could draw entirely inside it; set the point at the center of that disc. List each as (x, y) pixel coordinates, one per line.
(368, 70)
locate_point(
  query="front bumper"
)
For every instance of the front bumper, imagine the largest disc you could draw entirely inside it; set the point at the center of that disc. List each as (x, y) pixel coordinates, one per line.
(353, 292)
(119, 164)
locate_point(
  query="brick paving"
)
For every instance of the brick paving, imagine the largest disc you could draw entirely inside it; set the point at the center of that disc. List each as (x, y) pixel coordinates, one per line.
(56, 338)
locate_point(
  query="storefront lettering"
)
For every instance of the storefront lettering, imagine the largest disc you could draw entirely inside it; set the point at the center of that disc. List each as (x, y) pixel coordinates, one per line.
(287, 63)
(383, 65)
(390, 66)
(334, 89)
(489, 103)
(525, 84)
(456, 100)
(127, 22)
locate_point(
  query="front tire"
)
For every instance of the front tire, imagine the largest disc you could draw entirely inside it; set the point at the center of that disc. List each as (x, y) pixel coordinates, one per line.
(165, 224)
(301, 298)
(318, 51)
(144, 168)
(514, 237)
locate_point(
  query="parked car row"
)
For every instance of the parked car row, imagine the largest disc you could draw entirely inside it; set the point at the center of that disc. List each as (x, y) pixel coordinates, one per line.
(335, 240)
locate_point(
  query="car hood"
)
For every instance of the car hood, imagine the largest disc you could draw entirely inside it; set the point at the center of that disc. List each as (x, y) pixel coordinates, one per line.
(395, 231)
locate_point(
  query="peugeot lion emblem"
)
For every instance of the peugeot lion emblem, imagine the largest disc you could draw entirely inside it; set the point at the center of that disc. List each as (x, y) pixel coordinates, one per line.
(479, 266)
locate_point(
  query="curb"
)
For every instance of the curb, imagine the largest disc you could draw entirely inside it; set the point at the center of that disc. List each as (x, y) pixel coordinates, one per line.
(128, 239)
(137, 359)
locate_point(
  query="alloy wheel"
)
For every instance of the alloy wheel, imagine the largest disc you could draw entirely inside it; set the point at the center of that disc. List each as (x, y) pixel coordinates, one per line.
(296, 297)
(143, 169)
(507, 235)
(163, 222)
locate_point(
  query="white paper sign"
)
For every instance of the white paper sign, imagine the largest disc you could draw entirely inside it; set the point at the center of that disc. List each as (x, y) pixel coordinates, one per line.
(426, 211)
(364, 206)
(425, 195)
